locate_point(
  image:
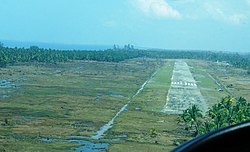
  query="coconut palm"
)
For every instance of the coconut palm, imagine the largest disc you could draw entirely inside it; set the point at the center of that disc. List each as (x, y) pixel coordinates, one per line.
(191, 117)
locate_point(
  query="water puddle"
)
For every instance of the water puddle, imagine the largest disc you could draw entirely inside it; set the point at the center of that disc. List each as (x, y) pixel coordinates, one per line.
(97, 143)
(98, 97)
(2, 96)
(8, 86)
(117, 95)
(86, 145)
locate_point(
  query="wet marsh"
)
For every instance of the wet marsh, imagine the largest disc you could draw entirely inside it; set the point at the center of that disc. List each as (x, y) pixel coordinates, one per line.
(58, 101)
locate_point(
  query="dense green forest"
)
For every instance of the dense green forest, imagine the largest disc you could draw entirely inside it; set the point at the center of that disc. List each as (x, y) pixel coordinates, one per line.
(225, 113)
(36, 54)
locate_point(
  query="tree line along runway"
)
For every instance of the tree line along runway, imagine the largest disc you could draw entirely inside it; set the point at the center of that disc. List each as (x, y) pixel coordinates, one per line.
(183, 92)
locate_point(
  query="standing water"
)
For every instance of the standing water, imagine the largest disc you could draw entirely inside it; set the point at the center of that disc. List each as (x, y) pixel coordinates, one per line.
(87, 145)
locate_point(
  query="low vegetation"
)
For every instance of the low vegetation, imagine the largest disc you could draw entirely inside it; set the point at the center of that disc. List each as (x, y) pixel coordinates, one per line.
(64, 99)
(47, 93)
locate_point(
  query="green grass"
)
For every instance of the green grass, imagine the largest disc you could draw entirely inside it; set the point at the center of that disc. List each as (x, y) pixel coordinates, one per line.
(207, 86)
(24, 145)
(64, 99)
(78, 97)
(225, 75)
(140, 147)
(137, 125)
(153, 96)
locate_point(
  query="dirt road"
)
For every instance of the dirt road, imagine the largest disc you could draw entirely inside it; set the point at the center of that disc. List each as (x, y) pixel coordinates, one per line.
(107, 126)
(183, 92)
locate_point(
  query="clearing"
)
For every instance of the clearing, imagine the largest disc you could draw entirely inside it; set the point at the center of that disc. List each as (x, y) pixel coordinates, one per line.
(183, 92)
(76, 98)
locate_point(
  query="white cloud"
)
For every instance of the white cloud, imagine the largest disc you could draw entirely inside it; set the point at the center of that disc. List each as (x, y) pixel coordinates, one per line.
(237, 18)
(156, 8)
(218, 12)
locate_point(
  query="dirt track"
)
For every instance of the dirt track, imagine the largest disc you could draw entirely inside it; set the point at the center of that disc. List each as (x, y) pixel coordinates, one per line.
(107, 126)
(183, 92)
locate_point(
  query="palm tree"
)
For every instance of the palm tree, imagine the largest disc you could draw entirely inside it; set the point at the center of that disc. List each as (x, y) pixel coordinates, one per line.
(191, 117)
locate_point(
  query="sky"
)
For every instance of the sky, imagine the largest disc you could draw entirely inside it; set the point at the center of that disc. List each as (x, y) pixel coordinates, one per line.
(220, 25)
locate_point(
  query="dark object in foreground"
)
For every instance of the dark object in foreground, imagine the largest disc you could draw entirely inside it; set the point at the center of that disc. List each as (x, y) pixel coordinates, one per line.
(231, 138)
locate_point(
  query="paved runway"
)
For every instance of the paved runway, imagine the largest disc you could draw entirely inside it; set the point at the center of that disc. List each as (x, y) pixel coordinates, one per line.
(183, 92)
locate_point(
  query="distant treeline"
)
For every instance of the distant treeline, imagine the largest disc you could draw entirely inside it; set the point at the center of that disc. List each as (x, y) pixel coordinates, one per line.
(35, 54)
(235, 59)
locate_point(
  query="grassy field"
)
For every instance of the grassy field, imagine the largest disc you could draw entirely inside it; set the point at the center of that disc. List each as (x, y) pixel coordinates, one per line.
(208, 87)
(228, 75)
(65, 99)
(150, 130)
(224, 75)
(147, 128)
(78, 97)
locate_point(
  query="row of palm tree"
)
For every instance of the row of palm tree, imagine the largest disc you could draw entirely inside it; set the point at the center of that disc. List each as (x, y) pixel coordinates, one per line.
(227, 112)
(36, 54)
